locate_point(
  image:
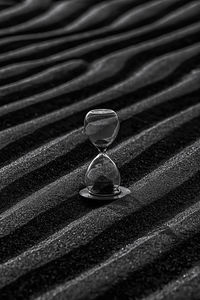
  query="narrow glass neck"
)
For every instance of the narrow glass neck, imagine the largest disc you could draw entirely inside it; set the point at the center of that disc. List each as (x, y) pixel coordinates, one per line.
(102, 150)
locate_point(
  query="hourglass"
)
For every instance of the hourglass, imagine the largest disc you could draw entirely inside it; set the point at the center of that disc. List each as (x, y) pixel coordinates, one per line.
(102, 178)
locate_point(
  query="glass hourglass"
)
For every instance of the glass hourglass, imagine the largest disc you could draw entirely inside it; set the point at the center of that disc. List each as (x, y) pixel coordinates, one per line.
(102, 178)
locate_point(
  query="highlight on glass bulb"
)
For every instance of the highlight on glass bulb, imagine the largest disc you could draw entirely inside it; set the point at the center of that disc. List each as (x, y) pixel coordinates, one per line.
(102, 178)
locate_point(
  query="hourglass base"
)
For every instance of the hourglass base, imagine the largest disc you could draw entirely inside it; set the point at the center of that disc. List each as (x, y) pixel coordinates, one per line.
(122, 193)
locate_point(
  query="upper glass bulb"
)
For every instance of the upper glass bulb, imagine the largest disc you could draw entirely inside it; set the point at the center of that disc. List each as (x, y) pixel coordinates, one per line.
(101, 126)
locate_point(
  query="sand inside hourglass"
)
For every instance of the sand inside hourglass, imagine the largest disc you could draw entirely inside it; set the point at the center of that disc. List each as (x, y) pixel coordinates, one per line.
(103, 186)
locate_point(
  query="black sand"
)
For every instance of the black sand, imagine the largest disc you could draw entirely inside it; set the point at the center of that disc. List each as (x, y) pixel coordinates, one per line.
(58, 60)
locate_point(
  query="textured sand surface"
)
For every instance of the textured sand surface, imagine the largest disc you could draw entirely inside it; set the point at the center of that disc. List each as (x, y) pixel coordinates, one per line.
(58, 60)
